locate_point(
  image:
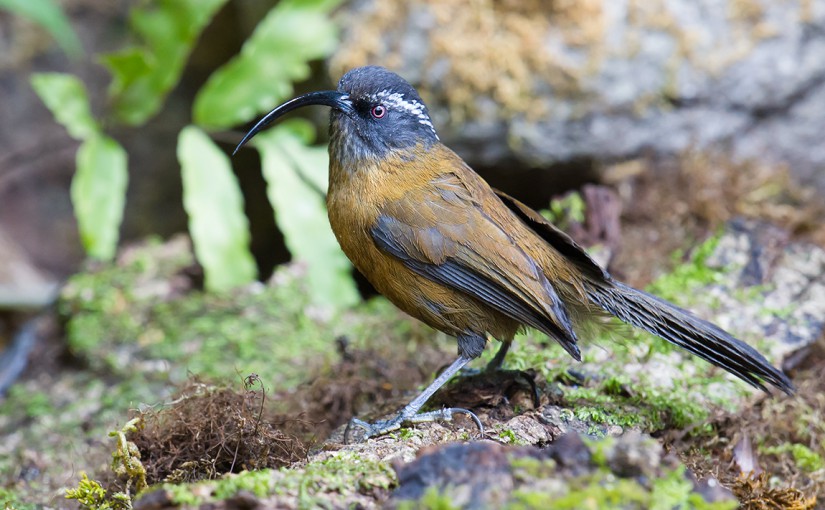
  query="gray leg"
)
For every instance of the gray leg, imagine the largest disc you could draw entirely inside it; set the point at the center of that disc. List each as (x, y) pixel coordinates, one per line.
(498, 359)
(410, 414)
(495, 366)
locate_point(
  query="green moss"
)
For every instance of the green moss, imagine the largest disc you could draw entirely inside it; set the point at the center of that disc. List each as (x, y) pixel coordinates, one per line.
(342, 473)
(602, 489)
(648, 408)
(110, 324)
(807, 459)
(433, 499)
(566, 210)
(33, 404)
(261, 483)
(675, 491)
(405, 434)
(139, 340)
(507, 436)
(597, 492)
(337, 477)
(604, 416)
(599, 449)
(89, 493)
(10, 501)
(677, 285)
(126, 464)
(186, 495)
(617, 398)
(92, 496)
(122, 315)
(82, 412)
(256, 482)
(526, 468)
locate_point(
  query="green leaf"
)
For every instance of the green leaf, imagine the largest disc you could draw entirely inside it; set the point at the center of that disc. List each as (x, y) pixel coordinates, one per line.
(213, 201)
(274, 56)
(99, 194)
(48, 15)
(143, 75)
(296, 177)
(65, 96)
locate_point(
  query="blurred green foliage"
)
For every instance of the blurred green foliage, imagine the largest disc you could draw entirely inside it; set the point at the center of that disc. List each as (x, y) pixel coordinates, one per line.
(99, 194)
(278, 52)
(274, 56)
(49, 15)
(65, 96)
(215, 207)
(144, 74)
(99, 185)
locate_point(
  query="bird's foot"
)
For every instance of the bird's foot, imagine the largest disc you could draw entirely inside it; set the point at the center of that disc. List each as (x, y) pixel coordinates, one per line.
(381, 427)
(494, 371)
(498, 376)
(470, 372)
(526, 377)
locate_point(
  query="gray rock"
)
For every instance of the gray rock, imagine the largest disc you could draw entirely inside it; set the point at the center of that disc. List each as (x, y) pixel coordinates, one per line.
(773, 291)
(489, 475)
(607, 80)
(22, 285)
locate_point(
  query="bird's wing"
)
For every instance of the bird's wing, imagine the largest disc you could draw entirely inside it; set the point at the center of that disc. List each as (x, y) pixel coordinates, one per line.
(556, 238)
(440, 232)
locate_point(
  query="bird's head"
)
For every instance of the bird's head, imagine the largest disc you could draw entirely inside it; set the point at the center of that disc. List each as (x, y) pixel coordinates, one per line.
(374, 111)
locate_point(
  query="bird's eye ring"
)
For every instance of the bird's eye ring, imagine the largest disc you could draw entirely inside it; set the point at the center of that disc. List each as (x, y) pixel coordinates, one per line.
(378, 111)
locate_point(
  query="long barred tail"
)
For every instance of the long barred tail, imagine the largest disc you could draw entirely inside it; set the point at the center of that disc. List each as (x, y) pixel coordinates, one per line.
(689, 332)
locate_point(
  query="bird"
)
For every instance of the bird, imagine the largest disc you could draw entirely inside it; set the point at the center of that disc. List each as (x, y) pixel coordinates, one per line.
(468, 260)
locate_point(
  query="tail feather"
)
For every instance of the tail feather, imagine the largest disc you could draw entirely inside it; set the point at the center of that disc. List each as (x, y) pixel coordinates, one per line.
(689, 332)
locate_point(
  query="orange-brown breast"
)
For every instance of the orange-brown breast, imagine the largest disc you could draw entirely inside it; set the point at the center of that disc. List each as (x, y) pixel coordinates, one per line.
(414, 188)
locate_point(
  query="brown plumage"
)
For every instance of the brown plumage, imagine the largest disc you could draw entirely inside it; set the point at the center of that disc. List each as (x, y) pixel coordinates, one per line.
(440, 212)
(434, 238)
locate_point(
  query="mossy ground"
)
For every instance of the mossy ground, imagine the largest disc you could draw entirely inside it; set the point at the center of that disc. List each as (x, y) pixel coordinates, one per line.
(613, 385)
(139, 331)
(602, 489)
(181, 333)
(344, 479)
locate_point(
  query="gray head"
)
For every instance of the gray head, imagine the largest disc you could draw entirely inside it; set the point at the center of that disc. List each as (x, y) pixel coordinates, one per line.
(374, 111)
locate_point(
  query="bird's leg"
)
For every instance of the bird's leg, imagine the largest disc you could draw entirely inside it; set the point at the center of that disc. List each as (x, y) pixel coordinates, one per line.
(495, 366)
(498, 359)
(410, 414)
(492, 366)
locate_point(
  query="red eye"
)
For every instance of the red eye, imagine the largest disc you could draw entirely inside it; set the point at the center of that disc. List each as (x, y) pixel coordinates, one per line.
(378, 111)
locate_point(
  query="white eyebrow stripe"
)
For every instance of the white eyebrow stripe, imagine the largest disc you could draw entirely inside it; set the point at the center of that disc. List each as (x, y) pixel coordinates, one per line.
(413, 107)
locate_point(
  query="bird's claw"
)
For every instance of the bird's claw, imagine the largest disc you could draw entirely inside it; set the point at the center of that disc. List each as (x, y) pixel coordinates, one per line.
(372, 429)
(380, 427)
(497, 371)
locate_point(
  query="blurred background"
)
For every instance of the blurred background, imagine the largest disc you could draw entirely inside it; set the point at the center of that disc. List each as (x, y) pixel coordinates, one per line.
(664, 119)
(539, 97)
(647, 124)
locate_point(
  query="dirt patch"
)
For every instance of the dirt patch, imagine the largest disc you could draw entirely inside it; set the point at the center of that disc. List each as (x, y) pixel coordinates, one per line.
(207, 432)
(771, 454)
(496, 396)
(756, 493)
(367, 383)
(670, 204)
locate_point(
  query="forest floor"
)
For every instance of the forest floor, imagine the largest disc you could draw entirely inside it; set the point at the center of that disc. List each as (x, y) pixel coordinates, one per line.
(144, 390)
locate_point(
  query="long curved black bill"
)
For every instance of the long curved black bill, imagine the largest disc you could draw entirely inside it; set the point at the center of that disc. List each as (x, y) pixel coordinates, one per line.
(330, 98)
